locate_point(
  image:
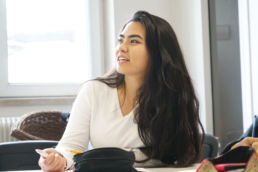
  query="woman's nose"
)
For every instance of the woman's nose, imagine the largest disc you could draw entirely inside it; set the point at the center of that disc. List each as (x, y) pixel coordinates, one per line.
(122, 47)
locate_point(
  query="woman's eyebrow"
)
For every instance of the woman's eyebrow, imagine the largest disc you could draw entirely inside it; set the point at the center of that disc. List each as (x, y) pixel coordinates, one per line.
(131, 36)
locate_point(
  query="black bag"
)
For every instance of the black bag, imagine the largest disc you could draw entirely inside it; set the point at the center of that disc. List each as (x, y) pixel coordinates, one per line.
(105, 159)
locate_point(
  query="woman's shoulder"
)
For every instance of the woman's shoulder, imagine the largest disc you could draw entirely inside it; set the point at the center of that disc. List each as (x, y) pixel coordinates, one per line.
(96, 90)
(95, 85)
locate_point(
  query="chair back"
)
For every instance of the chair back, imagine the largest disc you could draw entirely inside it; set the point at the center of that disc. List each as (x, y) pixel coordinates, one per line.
(210, 147)
(21, 155)
(42, 125)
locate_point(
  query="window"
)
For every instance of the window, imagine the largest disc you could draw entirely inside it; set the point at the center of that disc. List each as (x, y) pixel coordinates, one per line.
(249, 62)
(45, 46)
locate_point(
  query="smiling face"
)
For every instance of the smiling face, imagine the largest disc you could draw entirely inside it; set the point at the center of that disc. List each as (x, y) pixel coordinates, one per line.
(131, 52)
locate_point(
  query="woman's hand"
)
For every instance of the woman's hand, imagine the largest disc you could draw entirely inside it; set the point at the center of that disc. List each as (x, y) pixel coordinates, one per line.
(248, 141)
(54, 162)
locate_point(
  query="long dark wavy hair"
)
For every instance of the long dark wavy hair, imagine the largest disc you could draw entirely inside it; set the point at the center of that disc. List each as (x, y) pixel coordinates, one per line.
(168, 109)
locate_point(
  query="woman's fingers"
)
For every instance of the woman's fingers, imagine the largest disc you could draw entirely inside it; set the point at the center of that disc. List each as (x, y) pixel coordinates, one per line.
(255, 146)
(61, 163)
(50, 160)
(50, 150)
(248, 141)
(58, 162)
(53, 162)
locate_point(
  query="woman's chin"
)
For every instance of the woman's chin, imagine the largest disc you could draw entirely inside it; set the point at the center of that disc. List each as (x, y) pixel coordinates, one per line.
(121, 70)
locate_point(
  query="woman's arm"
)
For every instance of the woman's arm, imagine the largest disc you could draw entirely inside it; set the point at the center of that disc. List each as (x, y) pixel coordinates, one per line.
(76, 135)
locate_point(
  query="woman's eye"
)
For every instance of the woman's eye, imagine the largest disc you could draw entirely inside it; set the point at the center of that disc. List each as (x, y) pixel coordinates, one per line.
(134, 41)
(120, 40)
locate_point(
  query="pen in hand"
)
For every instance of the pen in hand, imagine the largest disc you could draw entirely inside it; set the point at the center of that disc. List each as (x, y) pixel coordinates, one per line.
(41, 153)
(75, 151)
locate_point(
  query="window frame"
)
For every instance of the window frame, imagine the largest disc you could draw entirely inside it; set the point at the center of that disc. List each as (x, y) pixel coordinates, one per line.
(45, 90)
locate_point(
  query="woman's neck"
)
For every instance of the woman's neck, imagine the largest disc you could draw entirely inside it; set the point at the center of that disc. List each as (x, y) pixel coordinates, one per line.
(132, 85)
(128, 94)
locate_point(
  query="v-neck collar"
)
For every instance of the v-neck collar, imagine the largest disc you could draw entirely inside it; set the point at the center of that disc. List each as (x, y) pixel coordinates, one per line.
(119, 106)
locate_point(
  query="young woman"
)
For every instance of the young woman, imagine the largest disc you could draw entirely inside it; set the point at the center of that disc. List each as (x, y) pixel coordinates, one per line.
(147, 104)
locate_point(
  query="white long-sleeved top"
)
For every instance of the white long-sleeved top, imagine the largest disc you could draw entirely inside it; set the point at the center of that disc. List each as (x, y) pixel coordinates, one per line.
(96, 117)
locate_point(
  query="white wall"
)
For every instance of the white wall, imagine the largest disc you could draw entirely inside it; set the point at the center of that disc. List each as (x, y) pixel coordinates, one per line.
(124, 10)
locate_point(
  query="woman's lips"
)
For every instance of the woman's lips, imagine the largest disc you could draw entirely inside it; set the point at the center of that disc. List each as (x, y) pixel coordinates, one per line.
(122, 60)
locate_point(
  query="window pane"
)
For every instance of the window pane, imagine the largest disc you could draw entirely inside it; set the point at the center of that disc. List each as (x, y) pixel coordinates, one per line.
(47, 41)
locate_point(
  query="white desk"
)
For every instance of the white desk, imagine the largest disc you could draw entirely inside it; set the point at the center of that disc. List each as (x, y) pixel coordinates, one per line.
(189, 169)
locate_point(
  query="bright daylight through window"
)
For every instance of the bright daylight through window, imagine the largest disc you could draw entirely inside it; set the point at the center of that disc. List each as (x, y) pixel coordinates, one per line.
(47, 41)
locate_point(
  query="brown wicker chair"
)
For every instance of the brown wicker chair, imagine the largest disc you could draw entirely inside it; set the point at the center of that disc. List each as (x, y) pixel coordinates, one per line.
(44, 125)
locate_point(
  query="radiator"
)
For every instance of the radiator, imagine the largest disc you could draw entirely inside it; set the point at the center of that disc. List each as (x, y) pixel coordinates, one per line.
(6, 124)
